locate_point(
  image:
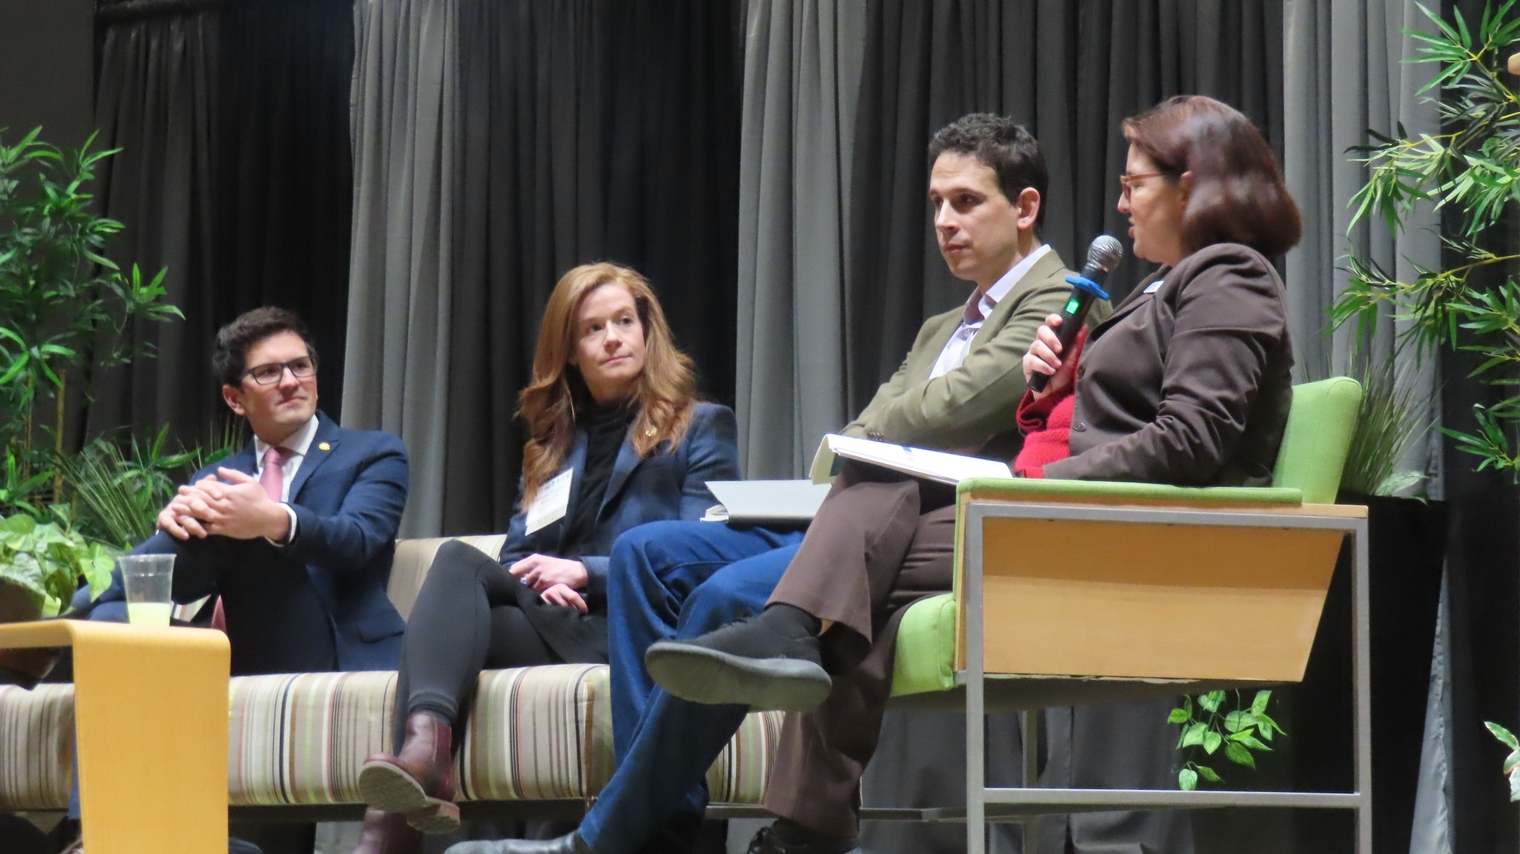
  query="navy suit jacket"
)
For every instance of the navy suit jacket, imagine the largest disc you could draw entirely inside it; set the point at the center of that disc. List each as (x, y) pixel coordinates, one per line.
(666, 485)
(347, 496)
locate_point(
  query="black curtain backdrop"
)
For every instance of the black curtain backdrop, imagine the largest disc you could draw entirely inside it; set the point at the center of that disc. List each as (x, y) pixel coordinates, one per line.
(155, 100)
(591, 130)
(284, 175)
(234, 174)
(1069, 71)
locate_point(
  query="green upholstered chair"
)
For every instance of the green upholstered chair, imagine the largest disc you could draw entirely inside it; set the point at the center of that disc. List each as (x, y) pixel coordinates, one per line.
(1097, 623)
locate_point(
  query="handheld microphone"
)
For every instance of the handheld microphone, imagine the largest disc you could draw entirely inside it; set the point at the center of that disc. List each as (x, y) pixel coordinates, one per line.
(1102, 257)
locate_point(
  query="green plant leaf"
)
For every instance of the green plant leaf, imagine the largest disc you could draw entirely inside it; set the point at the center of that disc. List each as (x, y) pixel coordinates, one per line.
(1259, 702)
(1237, 720)
(1211, 742)
(1250, 741)
(1209, 774)
(1178, 716)
(1193, 735)
(1187, 779)
(1504, 735)
(1239, 755)
(1210, 702)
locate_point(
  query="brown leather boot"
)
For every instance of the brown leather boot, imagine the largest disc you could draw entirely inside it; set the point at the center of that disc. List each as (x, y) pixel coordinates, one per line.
(387, 833)
(419, 782)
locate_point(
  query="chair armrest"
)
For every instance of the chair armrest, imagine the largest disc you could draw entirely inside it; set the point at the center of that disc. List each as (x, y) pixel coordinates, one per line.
(1110, 492)
(1135, 562)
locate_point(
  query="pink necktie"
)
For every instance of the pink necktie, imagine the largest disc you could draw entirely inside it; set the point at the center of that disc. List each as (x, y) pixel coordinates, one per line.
(272, 478)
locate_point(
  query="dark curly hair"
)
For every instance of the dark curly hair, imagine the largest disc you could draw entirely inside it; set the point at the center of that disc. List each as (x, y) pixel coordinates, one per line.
(1002, 145)
(1238, 195)
(230, 359)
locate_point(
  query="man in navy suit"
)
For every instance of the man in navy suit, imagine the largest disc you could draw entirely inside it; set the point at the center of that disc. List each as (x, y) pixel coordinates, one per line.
(295, 533)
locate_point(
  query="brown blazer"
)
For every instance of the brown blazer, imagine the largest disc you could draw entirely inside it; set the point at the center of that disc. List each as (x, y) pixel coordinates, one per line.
(1188, 384)
(973, 407)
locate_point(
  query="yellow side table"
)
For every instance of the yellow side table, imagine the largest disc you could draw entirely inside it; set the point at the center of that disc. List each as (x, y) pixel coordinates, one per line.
(150, 722)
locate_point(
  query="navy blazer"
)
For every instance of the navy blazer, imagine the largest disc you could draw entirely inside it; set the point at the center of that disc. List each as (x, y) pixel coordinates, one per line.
(347, 496)
(666, 485)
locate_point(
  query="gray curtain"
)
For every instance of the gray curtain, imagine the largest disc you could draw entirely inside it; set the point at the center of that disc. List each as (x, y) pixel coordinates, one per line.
(802, 67)
(1345, 72)
(405, 126)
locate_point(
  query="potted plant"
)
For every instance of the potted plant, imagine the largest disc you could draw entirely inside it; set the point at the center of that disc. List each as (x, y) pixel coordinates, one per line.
(63, 304)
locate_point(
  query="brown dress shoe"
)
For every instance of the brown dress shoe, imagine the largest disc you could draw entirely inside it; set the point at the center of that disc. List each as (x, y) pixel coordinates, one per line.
(418, 782)
(387, 833)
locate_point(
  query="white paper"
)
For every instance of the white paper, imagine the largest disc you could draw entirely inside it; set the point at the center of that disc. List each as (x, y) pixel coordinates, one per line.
(552, 501)
(767, 500)
(919, 462)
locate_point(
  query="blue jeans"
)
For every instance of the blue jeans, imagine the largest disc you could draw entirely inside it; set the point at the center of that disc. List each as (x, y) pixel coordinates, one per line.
(672, 580)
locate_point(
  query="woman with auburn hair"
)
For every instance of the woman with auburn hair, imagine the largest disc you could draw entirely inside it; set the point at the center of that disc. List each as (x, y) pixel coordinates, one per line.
(1187, 382)
(616, 439)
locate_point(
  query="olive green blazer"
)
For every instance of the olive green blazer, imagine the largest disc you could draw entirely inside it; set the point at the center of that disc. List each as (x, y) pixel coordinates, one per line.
(970, 409)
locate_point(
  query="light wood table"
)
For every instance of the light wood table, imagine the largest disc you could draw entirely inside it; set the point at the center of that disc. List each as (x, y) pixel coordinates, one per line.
(150, 722)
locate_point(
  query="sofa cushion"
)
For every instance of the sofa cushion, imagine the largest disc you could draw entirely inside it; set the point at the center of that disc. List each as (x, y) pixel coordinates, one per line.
(36, 746)
(535, 733)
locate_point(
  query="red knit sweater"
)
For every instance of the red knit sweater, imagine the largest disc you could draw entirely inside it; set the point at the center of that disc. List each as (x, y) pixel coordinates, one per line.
(1046, 424)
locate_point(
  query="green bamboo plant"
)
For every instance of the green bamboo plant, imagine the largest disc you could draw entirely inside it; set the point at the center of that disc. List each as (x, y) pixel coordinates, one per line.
(63, 304)
(1473, 169)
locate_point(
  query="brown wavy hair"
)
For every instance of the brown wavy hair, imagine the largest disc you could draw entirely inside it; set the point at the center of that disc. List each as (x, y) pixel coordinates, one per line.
(1238, 194)
(664, 392)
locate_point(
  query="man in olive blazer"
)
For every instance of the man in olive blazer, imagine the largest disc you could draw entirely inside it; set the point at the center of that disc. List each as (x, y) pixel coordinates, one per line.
(968, 408)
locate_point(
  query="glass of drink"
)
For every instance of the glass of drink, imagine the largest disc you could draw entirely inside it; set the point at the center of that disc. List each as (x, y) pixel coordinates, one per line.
(148, 579)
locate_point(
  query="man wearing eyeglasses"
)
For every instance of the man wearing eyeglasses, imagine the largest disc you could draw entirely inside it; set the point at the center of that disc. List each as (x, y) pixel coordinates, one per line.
(295, 532)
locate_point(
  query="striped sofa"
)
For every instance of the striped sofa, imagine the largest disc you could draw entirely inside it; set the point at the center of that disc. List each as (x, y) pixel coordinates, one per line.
(539, 741)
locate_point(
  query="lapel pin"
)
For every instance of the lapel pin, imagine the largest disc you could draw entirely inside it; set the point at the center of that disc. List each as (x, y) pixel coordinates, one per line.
(323, 446)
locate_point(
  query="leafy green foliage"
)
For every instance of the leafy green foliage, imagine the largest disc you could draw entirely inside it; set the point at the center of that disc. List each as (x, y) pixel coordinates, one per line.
(48, 558)
(1472, 167)
(1512, 761)
(63, 303)
(119, 488)
(1211, 722)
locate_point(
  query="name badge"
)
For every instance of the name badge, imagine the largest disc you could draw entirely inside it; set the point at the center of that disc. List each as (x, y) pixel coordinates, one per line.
(552, 501)
(1152, 287)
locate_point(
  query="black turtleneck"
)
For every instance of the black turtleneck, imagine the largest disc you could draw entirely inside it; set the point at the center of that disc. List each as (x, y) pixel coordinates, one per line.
(606, 427)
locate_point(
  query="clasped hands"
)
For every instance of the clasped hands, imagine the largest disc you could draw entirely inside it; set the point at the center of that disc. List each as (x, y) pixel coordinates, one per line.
(555, 579)
(229, 504)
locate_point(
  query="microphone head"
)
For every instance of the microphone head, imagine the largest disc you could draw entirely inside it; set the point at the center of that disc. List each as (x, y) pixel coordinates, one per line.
(1105, 253)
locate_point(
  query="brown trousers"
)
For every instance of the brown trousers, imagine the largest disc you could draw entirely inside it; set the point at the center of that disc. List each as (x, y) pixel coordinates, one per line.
(879, 543)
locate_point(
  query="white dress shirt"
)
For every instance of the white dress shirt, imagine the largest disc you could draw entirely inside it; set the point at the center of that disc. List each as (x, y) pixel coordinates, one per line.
(297, 443)
(977, 312)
